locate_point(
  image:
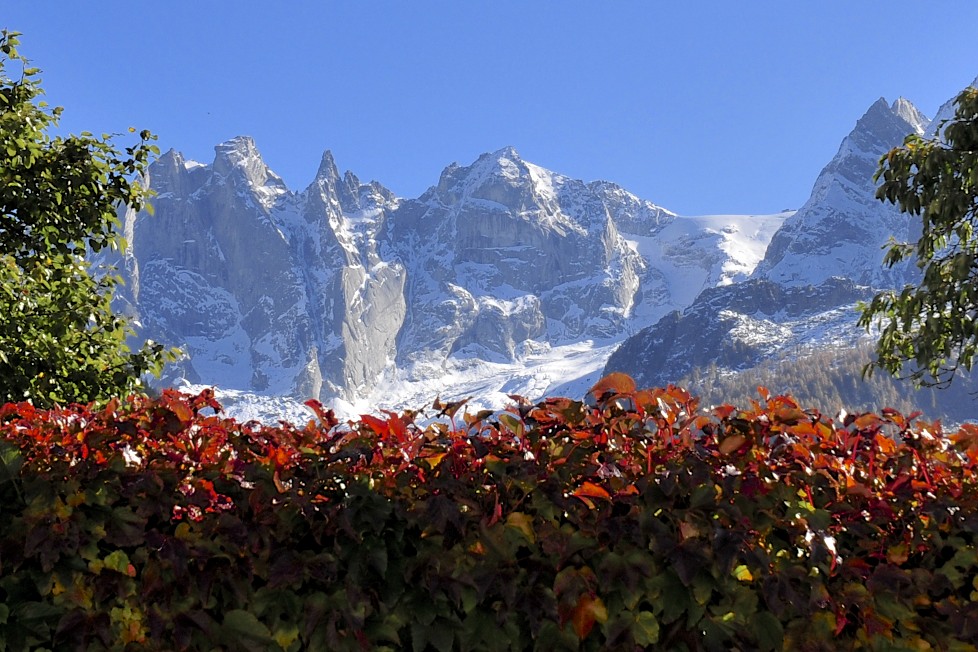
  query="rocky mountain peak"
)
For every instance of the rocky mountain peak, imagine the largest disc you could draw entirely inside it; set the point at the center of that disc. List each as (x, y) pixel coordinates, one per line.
(905, 109)
(841, 229)
(327, 168)
(239, 158)
(237, 151)
(172, 173)
(883, 123)
(501, 177)
(165, 170)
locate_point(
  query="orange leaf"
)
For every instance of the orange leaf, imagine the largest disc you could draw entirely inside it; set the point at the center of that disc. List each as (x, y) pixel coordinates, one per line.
(435, 459)
(592, 490)
(887, 445)
(731, 443)
(644, 398)
(616, 383)
(790, 415)
(867, 420)
(724, 411)
(181, 410)
(629, 490)
(589, 609)
(803, 428)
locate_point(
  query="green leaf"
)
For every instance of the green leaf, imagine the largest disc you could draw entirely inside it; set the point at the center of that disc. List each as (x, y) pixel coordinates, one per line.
(125, 528)
(646, 629)
(36, 617)
(770, 633)
(119, 562)
(242, 630)
(512, 423)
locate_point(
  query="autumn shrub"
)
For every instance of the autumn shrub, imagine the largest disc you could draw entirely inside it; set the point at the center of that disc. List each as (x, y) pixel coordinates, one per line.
(632, 521)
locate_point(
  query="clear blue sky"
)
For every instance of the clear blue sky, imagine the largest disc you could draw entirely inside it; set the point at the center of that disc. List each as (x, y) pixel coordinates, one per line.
(701, 107)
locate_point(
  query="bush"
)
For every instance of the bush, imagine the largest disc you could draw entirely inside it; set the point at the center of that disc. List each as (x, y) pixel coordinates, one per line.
(632, 521)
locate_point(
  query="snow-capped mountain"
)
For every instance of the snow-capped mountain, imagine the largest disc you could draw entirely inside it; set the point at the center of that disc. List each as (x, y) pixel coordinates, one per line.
(803, 294)
(491, 281)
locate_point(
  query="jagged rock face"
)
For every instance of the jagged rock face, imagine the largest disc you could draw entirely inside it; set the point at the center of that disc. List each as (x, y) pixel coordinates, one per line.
(503, 251)
(328, 291)
(842, 228)
(216, 269)
(263, 288)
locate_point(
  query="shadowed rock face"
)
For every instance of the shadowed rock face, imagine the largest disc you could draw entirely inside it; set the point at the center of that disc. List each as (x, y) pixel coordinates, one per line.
(820, 263)
(738, 326)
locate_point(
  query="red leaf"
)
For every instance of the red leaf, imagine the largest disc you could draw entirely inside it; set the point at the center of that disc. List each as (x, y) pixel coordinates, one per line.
(379, 426)
(840, 620)
(397, 427)
(326, 417)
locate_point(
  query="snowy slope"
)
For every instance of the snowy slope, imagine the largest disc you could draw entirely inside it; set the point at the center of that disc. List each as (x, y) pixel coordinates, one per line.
(691, 254)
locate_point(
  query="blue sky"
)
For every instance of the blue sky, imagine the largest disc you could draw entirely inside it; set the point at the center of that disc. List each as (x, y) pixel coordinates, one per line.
(701, 107)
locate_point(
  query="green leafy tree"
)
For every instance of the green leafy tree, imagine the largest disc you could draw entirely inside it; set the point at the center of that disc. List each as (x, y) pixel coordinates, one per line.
(929, 331)
(60, 340)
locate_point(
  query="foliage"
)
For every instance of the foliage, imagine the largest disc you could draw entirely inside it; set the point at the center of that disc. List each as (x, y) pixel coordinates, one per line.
(931, 327)
(59, 197)
(629, 522)
(831, 378)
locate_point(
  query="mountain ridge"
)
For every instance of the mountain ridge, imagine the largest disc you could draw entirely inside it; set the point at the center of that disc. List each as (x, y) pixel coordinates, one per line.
(331, 291)
(503, 277)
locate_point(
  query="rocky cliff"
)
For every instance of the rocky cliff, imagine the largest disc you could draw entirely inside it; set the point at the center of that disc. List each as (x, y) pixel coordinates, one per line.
(339, 290)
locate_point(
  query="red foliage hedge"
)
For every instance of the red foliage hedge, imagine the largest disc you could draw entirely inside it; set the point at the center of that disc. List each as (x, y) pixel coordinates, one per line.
(632, 521)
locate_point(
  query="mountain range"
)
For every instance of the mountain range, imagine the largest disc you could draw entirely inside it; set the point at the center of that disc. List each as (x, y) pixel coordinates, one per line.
(502, 278)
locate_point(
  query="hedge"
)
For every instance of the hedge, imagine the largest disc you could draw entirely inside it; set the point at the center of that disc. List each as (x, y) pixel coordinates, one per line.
(633, 520)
